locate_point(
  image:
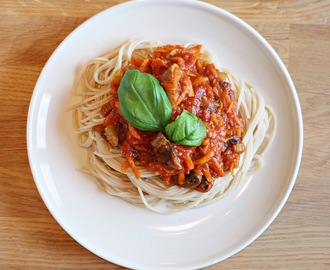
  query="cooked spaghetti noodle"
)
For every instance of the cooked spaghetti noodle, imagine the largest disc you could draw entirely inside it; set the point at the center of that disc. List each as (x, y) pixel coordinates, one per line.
(138, 182)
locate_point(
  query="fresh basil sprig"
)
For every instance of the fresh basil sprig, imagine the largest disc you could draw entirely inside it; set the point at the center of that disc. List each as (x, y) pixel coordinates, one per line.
(145, 105)
(143, 101)
(187, 129)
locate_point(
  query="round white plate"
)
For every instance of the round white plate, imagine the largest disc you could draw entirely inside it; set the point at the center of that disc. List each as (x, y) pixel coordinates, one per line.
(135, 237)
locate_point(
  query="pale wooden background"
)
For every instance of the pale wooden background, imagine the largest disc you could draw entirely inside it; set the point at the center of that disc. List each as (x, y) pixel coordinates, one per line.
(299, 31)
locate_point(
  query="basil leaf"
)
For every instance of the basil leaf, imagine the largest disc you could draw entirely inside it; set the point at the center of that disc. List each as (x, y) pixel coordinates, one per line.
(143, 101)
(187, 129)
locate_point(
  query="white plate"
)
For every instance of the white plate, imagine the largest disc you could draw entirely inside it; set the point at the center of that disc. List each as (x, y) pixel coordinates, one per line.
(135, 237)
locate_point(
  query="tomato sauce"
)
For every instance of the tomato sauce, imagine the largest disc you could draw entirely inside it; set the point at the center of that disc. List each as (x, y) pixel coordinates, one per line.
(194, 85)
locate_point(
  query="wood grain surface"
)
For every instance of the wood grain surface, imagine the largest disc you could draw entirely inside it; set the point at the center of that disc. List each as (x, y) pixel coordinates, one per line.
(299, 31)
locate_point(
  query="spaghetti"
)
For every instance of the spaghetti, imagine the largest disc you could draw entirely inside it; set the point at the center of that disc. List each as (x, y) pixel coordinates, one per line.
(126, 162)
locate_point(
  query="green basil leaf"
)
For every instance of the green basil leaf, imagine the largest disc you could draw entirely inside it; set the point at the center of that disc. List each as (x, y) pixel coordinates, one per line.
(143, 101)
(187, 129)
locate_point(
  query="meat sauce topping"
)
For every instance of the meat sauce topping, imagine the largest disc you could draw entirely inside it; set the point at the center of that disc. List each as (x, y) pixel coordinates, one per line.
(194, 85)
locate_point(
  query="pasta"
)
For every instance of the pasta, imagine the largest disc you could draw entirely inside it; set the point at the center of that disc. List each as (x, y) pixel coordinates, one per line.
(121, 177)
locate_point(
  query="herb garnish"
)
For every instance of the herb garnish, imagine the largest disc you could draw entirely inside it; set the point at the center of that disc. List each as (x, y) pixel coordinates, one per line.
(145, 105)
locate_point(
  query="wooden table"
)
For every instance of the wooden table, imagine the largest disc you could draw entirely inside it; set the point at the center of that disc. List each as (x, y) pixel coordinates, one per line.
(299, 31)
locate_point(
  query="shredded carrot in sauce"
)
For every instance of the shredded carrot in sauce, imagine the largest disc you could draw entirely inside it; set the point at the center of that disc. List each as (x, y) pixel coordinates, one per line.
(191, 84)
(133, 132)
